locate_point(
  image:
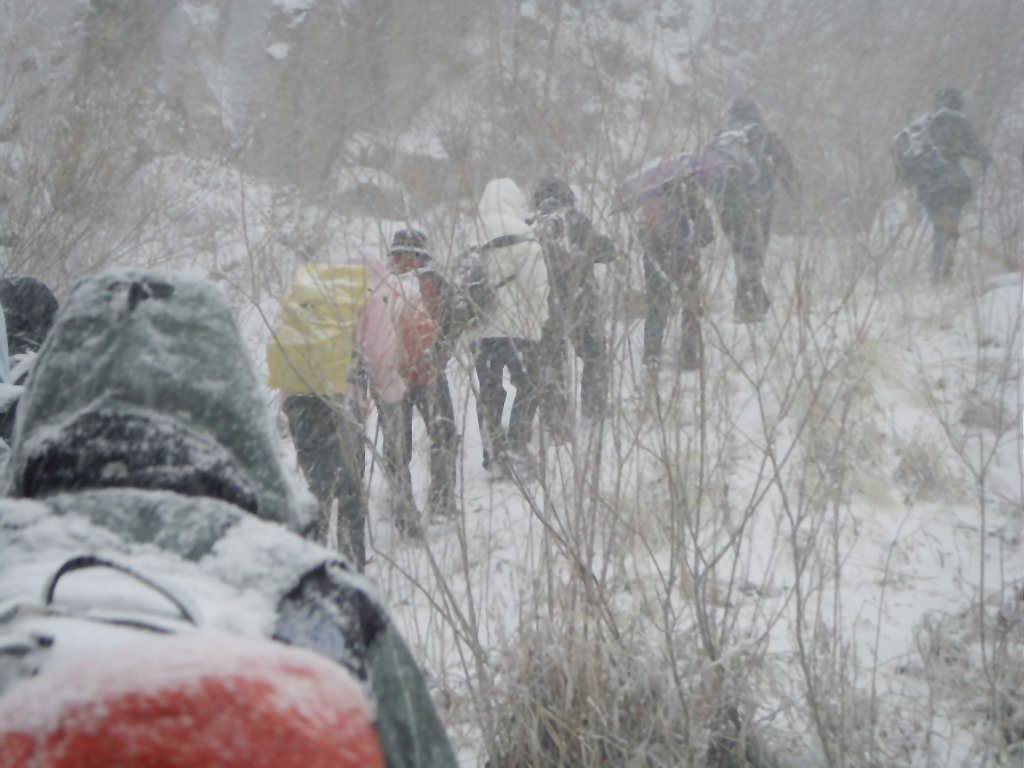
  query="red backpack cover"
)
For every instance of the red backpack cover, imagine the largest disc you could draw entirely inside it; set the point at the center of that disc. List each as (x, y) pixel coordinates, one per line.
(194, 699)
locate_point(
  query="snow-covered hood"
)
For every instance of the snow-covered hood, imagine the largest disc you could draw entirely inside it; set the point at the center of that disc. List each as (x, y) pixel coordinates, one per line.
(135, 352)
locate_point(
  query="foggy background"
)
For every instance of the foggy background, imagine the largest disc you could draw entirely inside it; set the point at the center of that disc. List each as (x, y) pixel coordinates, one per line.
(822, 530)
(402, 109)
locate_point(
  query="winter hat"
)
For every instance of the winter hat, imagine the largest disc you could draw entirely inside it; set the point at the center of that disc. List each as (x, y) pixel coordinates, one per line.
(145, 382)
(745, 109)
(949, 98)
(553, 188)
(411, 241)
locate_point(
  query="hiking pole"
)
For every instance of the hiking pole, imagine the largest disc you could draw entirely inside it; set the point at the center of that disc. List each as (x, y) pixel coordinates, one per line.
(369, 480)
(981, 205)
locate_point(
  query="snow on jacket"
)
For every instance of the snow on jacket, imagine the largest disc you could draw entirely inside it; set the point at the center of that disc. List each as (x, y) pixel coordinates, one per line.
(160, 356)
(238, 574)
(144, 439)
(954, 137)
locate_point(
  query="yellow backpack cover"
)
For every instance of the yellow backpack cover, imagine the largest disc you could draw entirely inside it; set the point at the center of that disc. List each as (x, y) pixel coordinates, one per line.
(311, 351)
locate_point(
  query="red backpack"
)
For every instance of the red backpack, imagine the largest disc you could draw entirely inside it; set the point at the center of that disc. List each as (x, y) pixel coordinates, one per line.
(148, 690)
(396, 335)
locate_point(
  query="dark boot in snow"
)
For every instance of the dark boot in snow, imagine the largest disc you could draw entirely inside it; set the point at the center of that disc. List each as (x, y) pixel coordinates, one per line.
(752, 302)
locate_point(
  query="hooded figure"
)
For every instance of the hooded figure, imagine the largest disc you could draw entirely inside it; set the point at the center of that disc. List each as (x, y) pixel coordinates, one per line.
(145, 441)
(509, 333)
(947, 188)
(745, 198)
(516, 272)
(572, 247)
(144, 382)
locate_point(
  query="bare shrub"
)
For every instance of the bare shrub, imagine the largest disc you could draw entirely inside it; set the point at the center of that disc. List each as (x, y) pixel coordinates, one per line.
(569, 699)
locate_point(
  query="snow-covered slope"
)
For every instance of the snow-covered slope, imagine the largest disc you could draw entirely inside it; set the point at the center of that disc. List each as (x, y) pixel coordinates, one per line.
(823, 526)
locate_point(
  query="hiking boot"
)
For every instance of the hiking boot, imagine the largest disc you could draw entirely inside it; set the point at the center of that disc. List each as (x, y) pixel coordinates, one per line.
(690, 358)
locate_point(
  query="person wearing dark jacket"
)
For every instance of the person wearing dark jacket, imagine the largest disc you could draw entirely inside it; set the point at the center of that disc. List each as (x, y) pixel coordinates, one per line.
(674, 228)
(745, 197)
(29, 308)
(572, 246)
(946, 190)
(428, 391)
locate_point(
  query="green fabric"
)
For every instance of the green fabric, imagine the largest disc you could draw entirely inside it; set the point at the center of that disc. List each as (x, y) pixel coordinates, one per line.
(409, 728)
(133, 339)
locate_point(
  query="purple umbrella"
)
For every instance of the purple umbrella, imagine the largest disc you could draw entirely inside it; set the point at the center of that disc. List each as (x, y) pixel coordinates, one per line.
(658, 177)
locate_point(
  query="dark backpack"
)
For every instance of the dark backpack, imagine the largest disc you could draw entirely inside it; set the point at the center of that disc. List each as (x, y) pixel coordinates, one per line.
(915, 157)
(552, 229)
(742, 147)
(473, 292)
(679, 218)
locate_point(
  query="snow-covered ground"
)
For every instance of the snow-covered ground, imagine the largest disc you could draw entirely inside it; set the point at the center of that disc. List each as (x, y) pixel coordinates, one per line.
(840, 498)
(832, 511)
(825, 524)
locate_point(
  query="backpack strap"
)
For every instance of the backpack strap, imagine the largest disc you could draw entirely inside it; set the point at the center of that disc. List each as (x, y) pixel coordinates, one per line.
(82, 562)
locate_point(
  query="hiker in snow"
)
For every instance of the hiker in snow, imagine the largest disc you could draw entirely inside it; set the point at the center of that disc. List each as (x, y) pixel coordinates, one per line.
(29, 308)
(512, 280)
(157, 463)
(328, 433)
(428, 390)
(927, 155)
(674, 227)
(572, 246)
(314, 363)
(745, 198)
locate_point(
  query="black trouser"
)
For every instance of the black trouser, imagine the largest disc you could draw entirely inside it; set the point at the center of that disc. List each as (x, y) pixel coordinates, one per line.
(944, 205)
(662, 271)
(522, 357)
(746, 221)
(580, 324)
(434, 404)
(328, 433)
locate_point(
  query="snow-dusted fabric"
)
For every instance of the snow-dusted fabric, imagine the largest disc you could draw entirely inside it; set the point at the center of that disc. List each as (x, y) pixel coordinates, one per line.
(155, 360)
(517, 273)
(139, 345)
(237, 575)
(191, 699)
